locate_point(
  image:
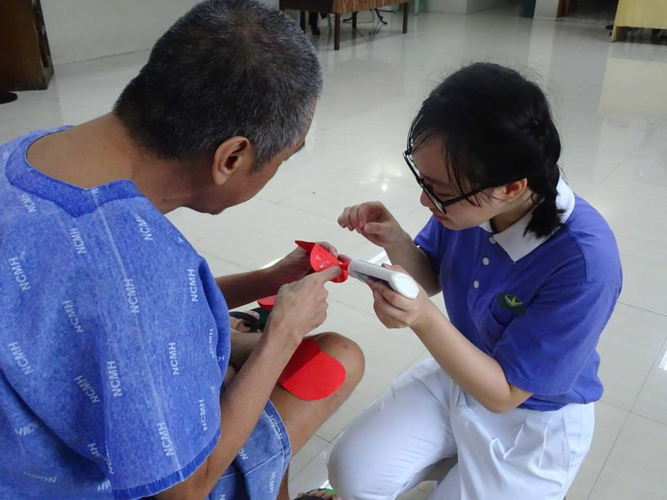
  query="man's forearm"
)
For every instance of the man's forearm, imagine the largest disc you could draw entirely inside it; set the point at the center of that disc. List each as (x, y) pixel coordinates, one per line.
(244, 288)
(413, 259)
(243, 344)
(241, 405)
(243, 402)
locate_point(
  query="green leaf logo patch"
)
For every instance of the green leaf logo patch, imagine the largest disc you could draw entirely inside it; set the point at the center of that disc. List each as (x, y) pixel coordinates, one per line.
(511, 303)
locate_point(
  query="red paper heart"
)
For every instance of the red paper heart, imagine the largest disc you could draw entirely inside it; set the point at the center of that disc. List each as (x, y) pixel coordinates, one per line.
(312, 374)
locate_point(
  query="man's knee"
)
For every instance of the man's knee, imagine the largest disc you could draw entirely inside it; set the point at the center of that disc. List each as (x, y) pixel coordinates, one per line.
(347, 352)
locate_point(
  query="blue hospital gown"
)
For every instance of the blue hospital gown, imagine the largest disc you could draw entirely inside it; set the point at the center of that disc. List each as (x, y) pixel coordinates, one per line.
(114, 339)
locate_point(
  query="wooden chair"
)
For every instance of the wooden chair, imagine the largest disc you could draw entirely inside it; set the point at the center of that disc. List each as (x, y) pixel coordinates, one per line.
(340, 7)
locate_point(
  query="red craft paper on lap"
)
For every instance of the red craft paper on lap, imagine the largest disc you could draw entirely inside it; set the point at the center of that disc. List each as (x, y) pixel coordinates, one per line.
(312, 374)
(267, 303)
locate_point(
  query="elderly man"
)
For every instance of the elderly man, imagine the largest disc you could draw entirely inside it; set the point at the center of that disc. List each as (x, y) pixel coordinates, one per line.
(120, 376)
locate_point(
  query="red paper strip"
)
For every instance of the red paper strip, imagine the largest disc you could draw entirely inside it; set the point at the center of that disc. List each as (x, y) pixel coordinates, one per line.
(312, 374)
(267, 303)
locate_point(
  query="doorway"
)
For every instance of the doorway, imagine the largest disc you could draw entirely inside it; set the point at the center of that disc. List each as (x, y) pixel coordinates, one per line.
(588, 11)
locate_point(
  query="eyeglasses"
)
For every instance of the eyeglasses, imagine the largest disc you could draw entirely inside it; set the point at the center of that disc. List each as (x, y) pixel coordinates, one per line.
(441, 205)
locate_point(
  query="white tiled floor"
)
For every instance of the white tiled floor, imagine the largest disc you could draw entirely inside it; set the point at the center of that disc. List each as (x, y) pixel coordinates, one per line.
(611, 102)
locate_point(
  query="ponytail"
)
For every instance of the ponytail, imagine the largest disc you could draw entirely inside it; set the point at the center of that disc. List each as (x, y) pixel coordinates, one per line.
(543, 182)
(546, 217)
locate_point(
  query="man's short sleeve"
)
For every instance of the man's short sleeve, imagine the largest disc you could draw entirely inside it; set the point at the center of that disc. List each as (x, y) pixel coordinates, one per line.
(429, 240)
(545, 349)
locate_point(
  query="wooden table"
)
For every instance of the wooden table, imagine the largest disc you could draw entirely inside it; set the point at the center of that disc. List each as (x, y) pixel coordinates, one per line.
(340, 7)
(639, 14)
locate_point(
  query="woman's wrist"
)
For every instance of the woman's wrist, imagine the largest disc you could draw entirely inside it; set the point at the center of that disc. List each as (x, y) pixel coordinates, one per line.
(428, 320)
(400, 245)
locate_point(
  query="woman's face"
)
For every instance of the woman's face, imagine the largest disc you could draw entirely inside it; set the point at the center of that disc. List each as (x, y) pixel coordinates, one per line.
(431, 164)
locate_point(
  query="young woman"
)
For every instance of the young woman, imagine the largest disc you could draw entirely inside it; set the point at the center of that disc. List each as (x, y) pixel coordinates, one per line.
(530, 275)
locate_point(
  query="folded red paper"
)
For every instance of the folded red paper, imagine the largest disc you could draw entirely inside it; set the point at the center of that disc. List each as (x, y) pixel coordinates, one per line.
(312, 374)
(320, 259)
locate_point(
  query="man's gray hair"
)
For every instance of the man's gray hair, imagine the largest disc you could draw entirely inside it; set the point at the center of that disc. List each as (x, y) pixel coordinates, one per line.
(226, 68)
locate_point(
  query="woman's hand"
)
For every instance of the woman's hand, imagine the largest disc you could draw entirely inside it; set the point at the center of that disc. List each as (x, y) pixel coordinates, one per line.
(375, 223)
(396, 311)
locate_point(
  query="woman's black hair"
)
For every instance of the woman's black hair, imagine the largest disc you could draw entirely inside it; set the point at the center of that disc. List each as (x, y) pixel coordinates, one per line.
(496, 128)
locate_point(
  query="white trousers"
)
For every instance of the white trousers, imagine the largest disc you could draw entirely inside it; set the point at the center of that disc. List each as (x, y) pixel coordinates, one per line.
(425, 417)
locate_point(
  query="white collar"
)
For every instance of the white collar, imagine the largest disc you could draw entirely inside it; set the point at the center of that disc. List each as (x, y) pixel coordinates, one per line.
(516, 242)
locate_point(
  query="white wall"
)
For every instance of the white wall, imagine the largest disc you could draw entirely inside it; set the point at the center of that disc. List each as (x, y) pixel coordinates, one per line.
(477, 5)
(546, 9)
(448, 6)
(86, 29)
(461, 6)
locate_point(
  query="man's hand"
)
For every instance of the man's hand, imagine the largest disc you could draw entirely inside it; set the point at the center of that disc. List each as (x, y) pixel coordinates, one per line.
(300, 307)
(396, 311)
(296, 264)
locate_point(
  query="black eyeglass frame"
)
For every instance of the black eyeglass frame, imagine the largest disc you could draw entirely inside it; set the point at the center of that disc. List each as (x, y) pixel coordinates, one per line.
(440, 204)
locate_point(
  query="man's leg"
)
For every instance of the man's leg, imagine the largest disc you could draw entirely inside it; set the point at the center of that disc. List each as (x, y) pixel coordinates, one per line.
(303, 418)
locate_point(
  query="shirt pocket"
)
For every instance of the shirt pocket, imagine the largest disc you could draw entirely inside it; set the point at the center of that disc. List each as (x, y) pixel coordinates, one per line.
(490, 331)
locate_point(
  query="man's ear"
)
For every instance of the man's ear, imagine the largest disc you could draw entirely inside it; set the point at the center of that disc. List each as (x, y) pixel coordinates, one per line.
(232, 155)
(514, 190)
